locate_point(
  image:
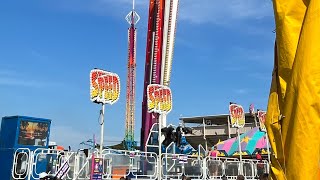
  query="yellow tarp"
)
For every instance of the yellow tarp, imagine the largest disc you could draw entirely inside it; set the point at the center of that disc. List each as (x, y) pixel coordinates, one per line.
(293, 115)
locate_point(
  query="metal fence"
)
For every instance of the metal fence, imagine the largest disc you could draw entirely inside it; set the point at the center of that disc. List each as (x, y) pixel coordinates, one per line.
(136, 165)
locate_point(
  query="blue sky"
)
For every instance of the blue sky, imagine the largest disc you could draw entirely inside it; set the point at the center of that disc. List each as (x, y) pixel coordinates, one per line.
(223, 52)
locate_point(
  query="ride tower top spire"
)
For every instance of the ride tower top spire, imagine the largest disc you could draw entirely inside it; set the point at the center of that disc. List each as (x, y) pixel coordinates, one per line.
(133, 17)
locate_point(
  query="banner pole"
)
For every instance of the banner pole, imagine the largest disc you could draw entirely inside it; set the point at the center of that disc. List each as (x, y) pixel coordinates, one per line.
(102, 129)
(240, 151)
(160, 143)
(268, 148)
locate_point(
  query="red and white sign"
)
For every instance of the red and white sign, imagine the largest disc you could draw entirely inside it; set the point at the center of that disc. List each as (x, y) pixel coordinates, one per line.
(262, 120)
(237, 115)
(159, 98)
(104, 87)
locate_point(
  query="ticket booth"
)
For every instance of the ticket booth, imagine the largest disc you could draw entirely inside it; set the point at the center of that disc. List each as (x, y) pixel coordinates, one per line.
(26, 134)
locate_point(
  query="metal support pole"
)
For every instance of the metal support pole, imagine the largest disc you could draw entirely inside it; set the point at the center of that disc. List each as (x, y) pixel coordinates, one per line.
(102, 129)
(204, 134)
(240, 152)
(255, 120)
(268, 151)
(30, 167)
(229, 124)
(159, 142)
(163, 119)
(76, 165)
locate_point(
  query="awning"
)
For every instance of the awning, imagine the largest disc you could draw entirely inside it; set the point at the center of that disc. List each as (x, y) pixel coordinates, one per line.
(250, 142)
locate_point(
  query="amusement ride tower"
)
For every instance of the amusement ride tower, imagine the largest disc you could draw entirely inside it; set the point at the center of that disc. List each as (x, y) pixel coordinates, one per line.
(132, 18)
(159, 52)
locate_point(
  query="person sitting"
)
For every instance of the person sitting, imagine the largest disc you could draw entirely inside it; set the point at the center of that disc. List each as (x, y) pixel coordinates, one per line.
(240, 177)
(184, 177)
(260, 165)
(264, 176)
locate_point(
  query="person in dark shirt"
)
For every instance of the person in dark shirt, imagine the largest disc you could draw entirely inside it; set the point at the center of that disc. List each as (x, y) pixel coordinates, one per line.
(184, 177)
(240, 177)
(260, 166)
(264, 176)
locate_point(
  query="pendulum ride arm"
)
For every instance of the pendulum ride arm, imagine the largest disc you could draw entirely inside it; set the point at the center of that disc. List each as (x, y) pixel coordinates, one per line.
(170, 21)
(153, 63)
(160, 39)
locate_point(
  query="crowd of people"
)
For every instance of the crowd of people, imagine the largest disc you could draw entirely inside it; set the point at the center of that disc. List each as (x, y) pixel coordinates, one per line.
(213, 153)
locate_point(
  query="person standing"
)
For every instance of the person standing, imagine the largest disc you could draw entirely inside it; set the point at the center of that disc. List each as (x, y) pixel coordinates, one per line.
(260, 166)
(214, 152)
(214, 164)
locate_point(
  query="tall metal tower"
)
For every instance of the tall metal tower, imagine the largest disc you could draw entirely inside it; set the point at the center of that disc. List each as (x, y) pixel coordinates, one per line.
(132, 18)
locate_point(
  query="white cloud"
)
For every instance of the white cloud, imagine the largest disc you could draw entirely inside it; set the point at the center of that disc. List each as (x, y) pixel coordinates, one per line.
(223, 12)
(260, 76)
(5, 72)
(233, 68)
(38, 55)
(100, 7)
(13, 78)
(66, 136)
(5, 81)
(181, 41)
(263, 56)
(194, 11)
(71, 136)
(241, 91)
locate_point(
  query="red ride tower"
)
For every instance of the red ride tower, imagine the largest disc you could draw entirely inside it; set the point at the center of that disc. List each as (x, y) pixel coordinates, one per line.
(159, 53)
(132, 18)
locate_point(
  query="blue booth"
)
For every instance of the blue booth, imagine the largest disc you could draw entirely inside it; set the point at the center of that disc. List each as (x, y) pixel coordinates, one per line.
(21, 132)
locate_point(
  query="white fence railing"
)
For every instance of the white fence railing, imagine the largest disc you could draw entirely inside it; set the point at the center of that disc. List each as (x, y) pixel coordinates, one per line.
(29, 164)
